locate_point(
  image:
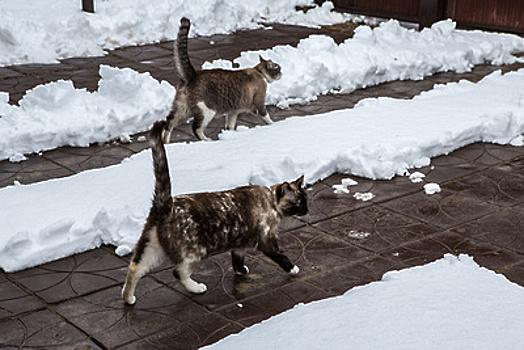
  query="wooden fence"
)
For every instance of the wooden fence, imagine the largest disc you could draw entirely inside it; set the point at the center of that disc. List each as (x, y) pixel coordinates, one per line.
(500, 15)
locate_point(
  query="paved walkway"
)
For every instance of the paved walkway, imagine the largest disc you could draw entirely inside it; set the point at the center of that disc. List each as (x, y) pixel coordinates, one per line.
(75, 302)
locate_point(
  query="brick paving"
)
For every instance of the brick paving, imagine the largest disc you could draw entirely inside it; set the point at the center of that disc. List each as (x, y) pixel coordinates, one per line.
(75, 303)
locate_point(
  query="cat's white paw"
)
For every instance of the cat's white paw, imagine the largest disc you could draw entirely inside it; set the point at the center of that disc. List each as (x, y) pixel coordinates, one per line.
(243, 273)
(194, 287)
(131, 300)
(294, 270)
(199, 288)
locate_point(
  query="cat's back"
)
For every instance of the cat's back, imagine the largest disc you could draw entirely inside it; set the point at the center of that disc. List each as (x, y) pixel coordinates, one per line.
(208, 203)
(225, 76)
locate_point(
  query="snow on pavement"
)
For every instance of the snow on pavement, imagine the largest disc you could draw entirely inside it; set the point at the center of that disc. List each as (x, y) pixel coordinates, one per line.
(451, 303)
(378, 139)
(57, 114)
(35, 31)
(389, 52)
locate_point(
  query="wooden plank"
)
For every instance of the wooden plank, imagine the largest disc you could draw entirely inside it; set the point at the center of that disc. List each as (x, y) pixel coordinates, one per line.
(488, 14)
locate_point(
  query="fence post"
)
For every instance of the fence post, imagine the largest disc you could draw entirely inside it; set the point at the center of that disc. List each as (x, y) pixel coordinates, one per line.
(88, 6)
(431, 11)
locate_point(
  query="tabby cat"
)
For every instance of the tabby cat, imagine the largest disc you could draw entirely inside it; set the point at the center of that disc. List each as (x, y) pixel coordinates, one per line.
(204, 95)
(189, 228)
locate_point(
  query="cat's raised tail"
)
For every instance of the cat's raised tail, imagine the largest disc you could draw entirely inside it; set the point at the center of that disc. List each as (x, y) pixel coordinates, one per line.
(183, 64)
(162, 199)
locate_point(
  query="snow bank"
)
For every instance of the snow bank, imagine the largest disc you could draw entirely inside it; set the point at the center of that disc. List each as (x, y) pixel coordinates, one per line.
(57, 114)
(436, 306)
(373, 56)
(379, 138)
(45, 31)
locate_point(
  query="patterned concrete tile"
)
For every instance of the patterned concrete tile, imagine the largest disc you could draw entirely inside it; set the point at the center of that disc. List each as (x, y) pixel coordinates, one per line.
(42, 330)
(375, 229)
(107, 319)
(14, 301)
(501, 185)
(340, 280)
(445, 209)
(504, 228)
(73, 276)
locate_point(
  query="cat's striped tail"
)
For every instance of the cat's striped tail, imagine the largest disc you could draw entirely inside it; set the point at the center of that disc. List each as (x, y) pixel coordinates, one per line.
(162, 200)
(183, 64)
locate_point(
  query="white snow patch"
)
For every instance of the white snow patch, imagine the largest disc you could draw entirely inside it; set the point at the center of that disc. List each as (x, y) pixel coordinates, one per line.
(35, 31)
(417, 177)
(364, 196)
(431, 188)
(373, 56)
(57, 114)
(378, 139)
(435, 306)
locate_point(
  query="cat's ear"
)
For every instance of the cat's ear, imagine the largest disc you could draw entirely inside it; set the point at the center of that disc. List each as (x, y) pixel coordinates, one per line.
(261, 59)
(299, 182)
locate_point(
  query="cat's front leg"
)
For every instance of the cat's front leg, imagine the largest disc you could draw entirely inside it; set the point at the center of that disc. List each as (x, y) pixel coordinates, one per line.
(265, 116)
(237, 257)
(183, 274)
(272, 251)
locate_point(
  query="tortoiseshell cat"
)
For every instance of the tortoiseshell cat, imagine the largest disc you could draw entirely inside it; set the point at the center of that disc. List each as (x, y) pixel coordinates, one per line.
(207, 94)
(189, 228)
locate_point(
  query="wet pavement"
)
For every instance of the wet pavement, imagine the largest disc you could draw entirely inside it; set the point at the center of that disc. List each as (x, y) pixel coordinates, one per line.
(75, 303)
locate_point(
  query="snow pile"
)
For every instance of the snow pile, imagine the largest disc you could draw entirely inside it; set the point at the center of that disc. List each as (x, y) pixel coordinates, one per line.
(436, 306)
(378, 139)
(373, 56)
(431, 188)
(343, 186)
(45, 31)
(57, 114)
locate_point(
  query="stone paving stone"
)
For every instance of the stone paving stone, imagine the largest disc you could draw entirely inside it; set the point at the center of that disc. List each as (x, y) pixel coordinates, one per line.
(206, 330)
(255, 310)
(504, 229)
(17, 86)
(34, 169)
(376, 229)
(449, 167)
(79, 159)
(488, 154)
(445, 209)
(73, 276)
(14, 301)
(339, 280)
(42, 330)
(106, 318)
(501, 185)
(514, 272)
(434, 247)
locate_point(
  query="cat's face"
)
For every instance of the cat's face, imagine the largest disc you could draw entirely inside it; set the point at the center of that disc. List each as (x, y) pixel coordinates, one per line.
(271, 69)
(292, 198)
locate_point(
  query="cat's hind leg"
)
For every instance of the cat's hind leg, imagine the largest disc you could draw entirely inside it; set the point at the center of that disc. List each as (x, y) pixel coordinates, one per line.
(179, 113)
(231, 120)
(237, 258)
(202, 117)
(148, 255)
(183, 273)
